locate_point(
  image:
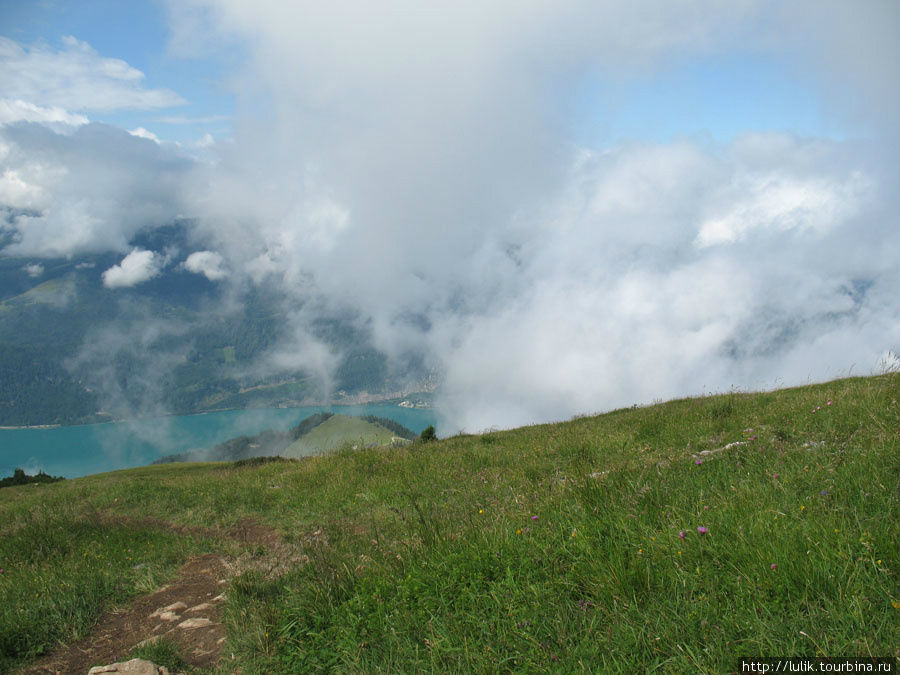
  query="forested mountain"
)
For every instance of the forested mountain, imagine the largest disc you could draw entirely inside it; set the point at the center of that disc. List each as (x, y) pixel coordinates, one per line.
(74, 350)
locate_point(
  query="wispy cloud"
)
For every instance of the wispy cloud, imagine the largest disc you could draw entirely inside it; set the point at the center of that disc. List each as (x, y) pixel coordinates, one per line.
(76, 78)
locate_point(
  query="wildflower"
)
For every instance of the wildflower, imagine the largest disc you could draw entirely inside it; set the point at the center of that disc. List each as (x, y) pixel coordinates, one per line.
(775, 475)
(2, 570)
(829, 403)
(896, 605)
(773, 566)
(818, 407)
(823, 493)
(705, 507)
(702, 530)
(480, 510)
(534, 517)
(681, 536)
(519, 531)
(754, 437)
(699, 462)
(802, 507)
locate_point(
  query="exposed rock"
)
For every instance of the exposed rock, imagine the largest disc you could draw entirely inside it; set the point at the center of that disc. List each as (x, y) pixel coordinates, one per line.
(199, 622)
(201, 607)
(168, 613)
(133, 667)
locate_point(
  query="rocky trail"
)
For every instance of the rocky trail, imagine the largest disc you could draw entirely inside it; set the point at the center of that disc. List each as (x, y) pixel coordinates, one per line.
(187, 611)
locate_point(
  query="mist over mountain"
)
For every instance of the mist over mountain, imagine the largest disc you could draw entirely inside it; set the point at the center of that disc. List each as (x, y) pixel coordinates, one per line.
(76, 348)
(548, 208)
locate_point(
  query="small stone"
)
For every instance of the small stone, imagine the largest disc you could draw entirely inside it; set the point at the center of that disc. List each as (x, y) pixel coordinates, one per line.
(199, 622)
(201, 607)
(171, 609)
(220, 597)
(133, 667)
(168, 616)
(149, 641)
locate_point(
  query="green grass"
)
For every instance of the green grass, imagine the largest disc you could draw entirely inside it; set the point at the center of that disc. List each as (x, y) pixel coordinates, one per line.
(336, 431)
(62, 565)
(548, 548)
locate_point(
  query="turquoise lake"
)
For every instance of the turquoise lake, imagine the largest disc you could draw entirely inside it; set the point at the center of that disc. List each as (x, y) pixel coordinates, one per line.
(97, 448)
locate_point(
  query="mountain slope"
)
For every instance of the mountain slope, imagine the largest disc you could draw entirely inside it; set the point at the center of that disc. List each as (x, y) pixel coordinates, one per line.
(675, 538)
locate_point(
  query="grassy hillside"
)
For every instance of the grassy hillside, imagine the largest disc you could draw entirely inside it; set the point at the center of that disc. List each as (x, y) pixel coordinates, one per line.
(337, 431)
(606, 543)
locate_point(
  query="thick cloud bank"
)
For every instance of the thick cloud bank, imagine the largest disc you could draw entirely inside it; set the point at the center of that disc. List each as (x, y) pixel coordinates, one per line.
(416, 165)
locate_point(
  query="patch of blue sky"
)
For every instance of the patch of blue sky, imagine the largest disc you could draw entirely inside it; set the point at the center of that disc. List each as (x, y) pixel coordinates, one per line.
(709, 99)
(136, 32)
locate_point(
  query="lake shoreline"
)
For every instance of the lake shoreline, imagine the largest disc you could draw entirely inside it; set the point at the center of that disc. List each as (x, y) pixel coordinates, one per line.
(331, 404)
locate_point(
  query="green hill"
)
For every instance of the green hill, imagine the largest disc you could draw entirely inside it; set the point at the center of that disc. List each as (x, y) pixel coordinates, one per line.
(669, 538)
(338, 430)
(316, 434)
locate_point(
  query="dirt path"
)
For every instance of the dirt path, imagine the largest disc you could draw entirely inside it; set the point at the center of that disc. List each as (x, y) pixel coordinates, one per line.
(188, 611)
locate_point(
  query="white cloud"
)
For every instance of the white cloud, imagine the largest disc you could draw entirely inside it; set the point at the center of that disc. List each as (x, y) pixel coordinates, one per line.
(137, 267)
(207, 263)
(87, 190)
(782, 202)
(413, 164)
(75, 77)
(205, 141)
(141, 132)
(34, 270)
(53, 116)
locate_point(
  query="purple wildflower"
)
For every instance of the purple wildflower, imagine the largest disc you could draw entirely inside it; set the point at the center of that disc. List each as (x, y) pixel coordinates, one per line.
(773, 566)
(829, 403)
(681, 534)
(823, 492)
(702, 530)
(534, 517)
(774, 475)
(699, 462)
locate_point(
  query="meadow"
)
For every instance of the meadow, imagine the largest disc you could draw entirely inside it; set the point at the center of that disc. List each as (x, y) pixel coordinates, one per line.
(675, 537)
